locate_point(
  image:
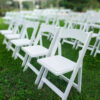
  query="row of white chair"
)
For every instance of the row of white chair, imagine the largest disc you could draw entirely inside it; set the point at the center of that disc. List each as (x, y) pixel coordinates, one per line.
(67, 19)
(79, 19)
(35, 14)
(57, 64)
(86, 27)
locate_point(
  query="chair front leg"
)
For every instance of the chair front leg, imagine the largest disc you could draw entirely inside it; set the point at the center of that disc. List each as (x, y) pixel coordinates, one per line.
(4, 41)
(18, 49)
(41, 81)
(94, 47)
(26, 66)
(39, 76)
(14, 52)
(70, 84)
(8, 45)
(25, 59)
(79, 80)
(98, 46)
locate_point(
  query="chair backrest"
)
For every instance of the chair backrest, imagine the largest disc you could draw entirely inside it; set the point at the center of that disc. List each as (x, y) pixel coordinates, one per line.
(33, 26)
(78, 25)
(18, 25)
(45, 28)
(83, 37)
(63, 19)
(50, 18)
(12, 24)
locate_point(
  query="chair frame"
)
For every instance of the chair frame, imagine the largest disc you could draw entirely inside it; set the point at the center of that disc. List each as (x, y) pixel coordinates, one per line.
(77, 69)
(15, 31)
(43, 28)
(33, 25)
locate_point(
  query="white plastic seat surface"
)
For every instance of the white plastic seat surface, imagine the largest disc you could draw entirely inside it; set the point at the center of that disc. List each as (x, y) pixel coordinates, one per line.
(21, 42)
(35, 51)
(58, 65)
(12, 36)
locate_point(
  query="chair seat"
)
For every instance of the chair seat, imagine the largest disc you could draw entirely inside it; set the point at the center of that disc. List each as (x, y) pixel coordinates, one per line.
(3, 32)
(12, 36)
(58, 65)
(21, 42)
(35, 51)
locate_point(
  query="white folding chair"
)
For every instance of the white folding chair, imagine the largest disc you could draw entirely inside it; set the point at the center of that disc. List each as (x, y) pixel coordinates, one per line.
(67, 24)
(50, 20)
(92, 47)
(7, 18)
(15, 34)
(39, 50)
(26, 38)
(11, 28)
(75, 27)
(59, 65)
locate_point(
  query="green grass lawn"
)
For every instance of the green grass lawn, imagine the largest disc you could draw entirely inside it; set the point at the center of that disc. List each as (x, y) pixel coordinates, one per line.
(18, 85)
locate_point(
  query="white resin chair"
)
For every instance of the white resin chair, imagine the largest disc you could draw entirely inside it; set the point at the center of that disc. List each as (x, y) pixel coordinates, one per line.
(16, 31)
(67, 24)
(39, 50)
(50, 19)
(11, 28)
(8, 17)
(15, 34)
(26, 38)
(92, 47)
(75, 27)
(59, 65)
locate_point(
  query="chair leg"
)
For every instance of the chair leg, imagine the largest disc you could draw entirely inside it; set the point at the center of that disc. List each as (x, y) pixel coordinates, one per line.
(26, 66)
(97, 49)
(25, 59)
(44, 76)
(4, 41)
(14, 52)
(8, 45)
(94, 47)
(79, 80)
(18, 49)
(39, 76)
(70, 84)
(65, 96)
